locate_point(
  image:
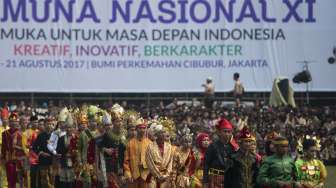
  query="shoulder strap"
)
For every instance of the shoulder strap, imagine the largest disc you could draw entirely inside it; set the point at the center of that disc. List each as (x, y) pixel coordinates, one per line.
(88, 133)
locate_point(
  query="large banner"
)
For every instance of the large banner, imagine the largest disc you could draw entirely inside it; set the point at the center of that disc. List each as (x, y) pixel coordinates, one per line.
(163, 45)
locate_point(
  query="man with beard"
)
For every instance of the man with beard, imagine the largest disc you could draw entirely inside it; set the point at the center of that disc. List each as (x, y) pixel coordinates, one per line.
(113, 146)
(218, 156)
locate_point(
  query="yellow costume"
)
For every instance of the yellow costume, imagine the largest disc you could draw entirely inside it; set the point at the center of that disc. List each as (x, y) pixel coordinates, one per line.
(135, 166)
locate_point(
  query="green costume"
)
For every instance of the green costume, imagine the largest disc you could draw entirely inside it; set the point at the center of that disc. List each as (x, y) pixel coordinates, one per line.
(275, 168)
(86, 157)
(311, 172)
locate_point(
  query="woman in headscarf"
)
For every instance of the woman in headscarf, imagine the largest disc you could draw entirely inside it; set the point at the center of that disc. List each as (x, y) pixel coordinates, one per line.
(196, 169)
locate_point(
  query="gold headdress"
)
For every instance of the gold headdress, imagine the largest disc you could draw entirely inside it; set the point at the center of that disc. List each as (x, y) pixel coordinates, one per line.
(168, 125)
(130, 118)
(117, 112)
(82, 118)
(299, 146)
(154, 127)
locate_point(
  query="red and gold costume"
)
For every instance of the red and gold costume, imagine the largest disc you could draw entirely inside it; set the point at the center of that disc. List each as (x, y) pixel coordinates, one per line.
(196, 167)
(3, 177)
(183, 158)
(13, 152)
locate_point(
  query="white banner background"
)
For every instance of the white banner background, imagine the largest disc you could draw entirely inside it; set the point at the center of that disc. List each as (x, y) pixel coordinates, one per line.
(21, 72)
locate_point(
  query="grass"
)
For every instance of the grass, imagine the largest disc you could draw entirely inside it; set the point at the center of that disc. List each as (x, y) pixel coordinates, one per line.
(331, 179)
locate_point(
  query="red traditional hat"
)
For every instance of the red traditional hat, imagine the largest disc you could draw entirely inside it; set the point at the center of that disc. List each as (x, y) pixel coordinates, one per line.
(224, 124)
(270, 136)
(4, 113)
(141, 123)
(14, 116)
(245, 135)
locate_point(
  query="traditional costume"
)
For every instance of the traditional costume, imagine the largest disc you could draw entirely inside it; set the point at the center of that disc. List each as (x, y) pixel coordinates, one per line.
(196, 168)
(14, 152)
(218, 158)
(183, 158)
(311, 171)
(31, 134)
(86, 149)
(44, 176)
(130, 117)
(113, 145)
(243, 173)
(277, 171)
(67, 148)
(4, 127)
(135, 166)
(159, 159)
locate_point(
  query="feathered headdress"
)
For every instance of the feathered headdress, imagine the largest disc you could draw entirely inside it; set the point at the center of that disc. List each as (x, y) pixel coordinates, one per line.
(185, 134)
(106, 119)
(63, 115)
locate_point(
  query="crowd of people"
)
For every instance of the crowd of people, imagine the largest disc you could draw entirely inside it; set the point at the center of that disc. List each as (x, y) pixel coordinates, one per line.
(165, 145)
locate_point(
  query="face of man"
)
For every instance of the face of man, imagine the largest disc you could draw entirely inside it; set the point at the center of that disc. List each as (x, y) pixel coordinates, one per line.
(282, 149)
(41, 126)
(92, 125)
(117, 123)
(24, 123)
(15, 124)
(167, 136)
(108, 127)
(187, 143)
(49, 127)
(69, 129)
(253, 147)
(132, 132)
(61, 125)
(34, 124)
(141, 131)
(160, 137)
(5, 122)
(246, 145)
(225, 135)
